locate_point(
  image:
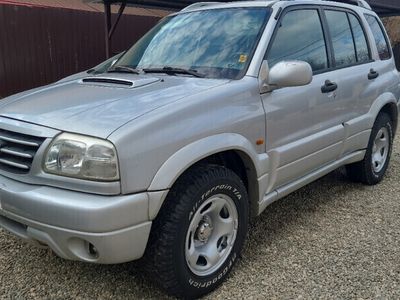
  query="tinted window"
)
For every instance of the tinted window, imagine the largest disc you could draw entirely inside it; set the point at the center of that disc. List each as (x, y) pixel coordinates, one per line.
(218, 43)
(300, 37)
(359, 39)
(342, 39)
(377, 31)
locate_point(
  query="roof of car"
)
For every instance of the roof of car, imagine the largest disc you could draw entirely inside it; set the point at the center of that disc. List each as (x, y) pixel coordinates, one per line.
(257, 3)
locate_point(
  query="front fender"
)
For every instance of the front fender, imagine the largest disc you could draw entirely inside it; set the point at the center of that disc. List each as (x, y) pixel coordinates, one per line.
(196, 151)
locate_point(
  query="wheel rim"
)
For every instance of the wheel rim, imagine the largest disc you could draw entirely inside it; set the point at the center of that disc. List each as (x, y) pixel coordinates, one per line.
(380, 149)
(211, 235)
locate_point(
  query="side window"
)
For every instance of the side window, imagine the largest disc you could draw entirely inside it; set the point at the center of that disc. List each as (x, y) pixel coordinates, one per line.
(299, 37)
(360, 40)
(342, 38)
(380, 39)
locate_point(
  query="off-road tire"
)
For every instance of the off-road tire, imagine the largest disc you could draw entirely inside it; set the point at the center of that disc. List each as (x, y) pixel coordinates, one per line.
(363, 171)
(164, 259)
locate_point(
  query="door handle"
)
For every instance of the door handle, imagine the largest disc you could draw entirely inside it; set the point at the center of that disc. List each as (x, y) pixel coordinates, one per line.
(373, 74)
(328, 87)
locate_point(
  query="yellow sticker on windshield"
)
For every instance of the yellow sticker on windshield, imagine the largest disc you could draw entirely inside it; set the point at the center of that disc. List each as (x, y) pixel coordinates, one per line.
(243, 58)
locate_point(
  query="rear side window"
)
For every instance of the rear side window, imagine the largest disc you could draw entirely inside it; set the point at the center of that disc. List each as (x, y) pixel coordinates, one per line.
(360, 40)
(380, 38)
(342, 38)
(299, 37)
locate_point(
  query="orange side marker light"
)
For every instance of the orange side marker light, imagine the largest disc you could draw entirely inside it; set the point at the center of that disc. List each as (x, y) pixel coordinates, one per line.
(260, 142)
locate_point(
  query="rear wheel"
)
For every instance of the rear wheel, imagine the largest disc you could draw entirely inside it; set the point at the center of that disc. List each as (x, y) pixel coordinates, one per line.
(199, 233)
(372, 169)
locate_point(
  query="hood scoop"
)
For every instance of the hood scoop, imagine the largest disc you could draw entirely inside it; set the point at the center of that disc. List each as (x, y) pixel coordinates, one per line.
(118, 82)
(108, 80)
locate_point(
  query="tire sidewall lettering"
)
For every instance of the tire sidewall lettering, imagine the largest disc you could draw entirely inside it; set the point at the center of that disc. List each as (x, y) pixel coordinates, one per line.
(236, 196)
(214, 190)
(216, 278)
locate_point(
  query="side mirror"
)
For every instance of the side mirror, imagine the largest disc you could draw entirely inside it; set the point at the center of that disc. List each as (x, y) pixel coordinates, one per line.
(285, 74)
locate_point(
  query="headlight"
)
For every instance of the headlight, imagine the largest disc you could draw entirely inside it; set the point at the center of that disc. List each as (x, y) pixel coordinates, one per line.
(82, 157)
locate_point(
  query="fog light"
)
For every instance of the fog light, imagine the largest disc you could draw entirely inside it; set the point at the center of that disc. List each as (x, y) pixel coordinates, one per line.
(83, 250)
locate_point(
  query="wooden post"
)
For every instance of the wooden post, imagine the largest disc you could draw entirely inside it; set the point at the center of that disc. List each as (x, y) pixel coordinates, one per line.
(107, 19)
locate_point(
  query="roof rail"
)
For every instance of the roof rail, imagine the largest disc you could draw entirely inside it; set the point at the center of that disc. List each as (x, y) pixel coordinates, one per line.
(361, 3)
(198, 5)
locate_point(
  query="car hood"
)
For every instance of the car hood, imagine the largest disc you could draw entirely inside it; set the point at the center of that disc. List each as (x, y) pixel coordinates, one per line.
(99, 105)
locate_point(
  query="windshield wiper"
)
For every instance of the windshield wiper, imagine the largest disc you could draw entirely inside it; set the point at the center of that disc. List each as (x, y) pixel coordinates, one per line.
(124, 69)
(173, 71)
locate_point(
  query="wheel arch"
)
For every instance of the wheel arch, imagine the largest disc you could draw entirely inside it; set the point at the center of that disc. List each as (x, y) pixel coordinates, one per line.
(243, 166)
(230, 150)
(392, 110)
(386, 102)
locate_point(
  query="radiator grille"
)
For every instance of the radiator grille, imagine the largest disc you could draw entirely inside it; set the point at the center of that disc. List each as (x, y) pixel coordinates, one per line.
(17, 151)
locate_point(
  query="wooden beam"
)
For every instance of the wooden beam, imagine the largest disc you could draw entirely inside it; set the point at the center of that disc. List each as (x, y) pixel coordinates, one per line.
(109, 26)
(120, 12)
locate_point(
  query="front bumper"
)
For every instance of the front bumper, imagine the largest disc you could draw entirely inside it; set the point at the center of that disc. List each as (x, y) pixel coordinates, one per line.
(75, 225)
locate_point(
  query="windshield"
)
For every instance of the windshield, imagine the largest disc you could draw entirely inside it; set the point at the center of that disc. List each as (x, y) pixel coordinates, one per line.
(217, 43)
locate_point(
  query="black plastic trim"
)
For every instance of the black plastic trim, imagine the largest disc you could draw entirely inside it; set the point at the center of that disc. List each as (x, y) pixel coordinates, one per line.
(107, 80)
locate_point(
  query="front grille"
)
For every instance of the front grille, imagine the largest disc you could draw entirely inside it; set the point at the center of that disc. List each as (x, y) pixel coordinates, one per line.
(17, 151)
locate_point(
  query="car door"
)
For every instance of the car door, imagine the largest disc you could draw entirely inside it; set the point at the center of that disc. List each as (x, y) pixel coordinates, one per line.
(385, 78)
(304, 127)
(354, 73)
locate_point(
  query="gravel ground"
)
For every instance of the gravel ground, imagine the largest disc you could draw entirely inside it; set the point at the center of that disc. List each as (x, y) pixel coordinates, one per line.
(332, 239)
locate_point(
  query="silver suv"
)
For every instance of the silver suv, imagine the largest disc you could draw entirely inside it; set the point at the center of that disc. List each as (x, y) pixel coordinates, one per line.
(220, 110)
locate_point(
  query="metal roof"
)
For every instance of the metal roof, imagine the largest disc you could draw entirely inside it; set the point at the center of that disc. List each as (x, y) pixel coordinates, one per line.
(382, 7)
(163, 4)
(386, 7)
(86, 6)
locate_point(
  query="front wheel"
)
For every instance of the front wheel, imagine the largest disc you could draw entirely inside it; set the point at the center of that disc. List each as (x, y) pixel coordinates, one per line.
(199, 233)
(372, 169)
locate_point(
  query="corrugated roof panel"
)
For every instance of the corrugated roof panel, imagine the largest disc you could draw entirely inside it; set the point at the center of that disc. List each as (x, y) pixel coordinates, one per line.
(139, 11)
(80, 5)
(71, 4)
